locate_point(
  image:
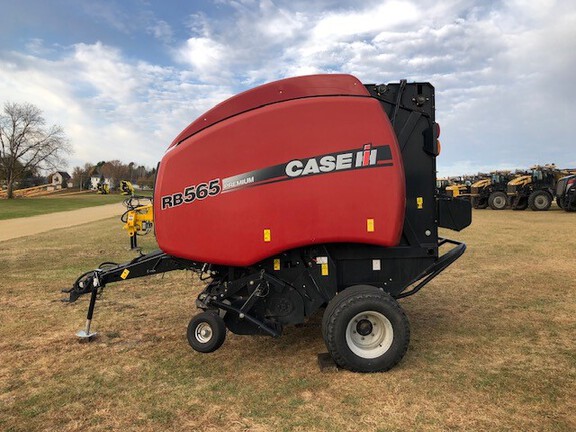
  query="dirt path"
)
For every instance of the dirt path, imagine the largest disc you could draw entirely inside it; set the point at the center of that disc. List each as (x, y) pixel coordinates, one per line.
(21, 227)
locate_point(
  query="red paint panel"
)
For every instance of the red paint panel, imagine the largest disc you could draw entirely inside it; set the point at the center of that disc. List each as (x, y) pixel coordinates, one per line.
(286, 89)
(332, 206)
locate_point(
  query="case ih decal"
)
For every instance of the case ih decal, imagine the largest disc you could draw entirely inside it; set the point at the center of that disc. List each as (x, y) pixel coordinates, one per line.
(367, 157)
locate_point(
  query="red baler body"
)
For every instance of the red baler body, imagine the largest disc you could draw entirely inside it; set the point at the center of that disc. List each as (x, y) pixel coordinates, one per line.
(299, 162)
(308, 193)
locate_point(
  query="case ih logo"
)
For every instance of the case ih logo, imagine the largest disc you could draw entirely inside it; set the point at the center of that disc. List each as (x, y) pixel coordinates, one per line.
(366, 157)
(328, 163)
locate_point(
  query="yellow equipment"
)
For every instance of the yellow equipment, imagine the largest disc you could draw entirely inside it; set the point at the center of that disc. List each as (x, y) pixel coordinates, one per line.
(490, 190)
(461, 186)
(521, 180)
(138, 219)
(456, 190)
(103, 188)
(126, 187)
(535, 190)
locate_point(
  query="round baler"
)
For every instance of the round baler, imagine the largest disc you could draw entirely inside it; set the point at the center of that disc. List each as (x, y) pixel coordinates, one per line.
(308, 193)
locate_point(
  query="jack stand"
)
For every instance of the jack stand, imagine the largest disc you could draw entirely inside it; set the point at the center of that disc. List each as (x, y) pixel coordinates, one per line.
(133, 241)
(86, 335)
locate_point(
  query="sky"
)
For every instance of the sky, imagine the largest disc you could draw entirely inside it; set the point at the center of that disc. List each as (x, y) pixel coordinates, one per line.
(124, 77)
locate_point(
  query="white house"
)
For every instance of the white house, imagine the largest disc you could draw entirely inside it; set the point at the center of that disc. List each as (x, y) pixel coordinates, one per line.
(60, 179)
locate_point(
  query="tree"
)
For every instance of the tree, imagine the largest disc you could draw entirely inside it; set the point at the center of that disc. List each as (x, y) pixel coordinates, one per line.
(81, 176)
(115, 171)
(26, 144)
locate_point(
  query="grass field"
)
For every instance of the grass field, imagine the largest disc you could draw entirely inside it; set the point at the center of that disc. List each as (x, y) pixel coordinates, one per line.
(24, 207)
(493, 346)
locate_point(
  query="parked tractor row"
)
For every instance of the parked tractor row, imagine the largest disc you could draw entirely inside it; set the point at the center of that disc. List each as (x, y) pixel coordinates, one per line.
(535, 188)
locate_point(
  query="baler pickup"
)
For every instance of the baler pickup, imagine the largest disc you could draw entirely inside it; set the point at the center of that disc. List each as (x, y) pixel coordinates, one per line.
(306, 193)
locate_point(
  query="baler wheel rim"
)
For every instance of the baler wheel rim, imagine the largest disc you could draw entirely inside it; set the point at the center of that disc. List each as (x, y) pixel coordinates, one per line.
(206, 332)
(203, 332)
(376, 342)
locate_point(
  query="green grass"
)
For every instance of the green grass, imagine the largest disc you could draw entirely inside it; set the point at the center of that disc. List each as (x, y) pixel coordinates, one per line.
(492, 345)
(24, 207)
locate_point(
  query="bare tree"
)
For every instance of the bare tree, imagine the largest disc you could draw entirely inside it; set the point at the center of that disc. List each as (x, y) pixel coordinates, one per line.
(115, 171)
(26, 144)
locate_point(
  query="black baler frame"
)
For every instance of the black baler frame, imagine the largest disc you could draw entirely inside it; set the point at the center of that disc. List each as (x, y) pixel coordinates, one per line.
(157, 262)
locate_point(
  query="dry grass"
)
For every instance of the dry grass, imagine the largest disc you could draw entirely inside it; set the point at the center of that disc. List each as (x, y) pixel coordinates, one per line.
(493, 346)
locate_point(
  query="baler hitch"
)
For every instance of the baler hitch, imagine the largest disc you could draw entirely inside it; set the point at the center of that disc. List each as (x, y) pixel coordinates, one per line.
(94, 281)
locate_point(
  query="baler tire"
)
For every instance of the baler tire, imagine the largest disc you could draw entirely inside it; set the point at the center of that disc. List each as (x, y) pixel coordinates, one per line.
(559, 202)
(366, 309)
(539, 200)
(206, 332)
(498, 201)
(340, 297)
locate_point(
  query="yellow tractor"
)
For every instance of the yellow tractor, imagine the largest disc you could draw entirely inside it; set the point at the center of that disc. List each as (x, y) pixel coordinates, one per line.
(103, 188)
(461, 186)
(536, 189)
(491, 191)
(126, 187)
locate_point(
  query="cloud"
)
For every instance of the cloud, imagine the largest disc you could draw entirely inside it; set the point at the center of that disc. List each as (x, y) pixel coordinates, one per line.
(205, 56)
(484, 59)
(109, 107)
(161, 30)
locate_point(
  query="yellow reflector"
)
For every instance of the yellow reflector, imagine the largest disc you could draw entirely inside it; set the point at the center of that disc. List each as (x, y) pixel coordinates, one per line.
(370, 225)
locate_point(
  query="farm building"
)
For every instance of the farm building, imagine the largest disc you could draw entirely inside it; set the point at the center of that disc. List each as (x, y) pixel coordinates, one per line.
(60, 179)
